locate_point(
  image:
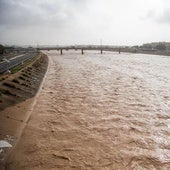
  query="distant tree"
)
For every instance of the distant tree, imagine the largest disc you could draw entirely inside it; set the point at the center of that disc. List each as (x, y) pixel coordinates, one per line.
(149, 46)
(161, 46)
(1, 49)
(135, 46)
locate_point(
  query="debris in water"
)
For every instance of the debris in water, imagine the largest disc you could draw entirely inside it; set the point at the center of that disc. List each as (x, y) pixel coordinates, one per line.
(5, 144)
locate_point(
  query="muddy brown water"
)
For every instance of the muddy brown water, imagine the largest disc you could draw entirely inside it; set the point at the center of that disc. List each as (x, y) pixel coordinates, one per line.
(109, 111)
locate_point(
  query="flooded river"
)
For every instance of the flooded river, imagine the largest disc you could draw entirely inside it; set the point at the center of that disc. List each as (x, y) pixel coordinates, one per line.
(99, 112)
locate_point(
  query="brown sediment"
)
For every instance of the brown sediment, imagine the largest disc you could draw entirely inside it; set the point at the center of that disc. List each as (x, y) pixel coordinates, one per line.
(17, 93)
(99, 112)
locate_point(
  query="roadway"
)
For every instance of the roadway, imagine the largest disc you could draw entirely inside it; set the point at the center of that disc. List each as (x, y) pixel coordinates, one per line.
(17, 60)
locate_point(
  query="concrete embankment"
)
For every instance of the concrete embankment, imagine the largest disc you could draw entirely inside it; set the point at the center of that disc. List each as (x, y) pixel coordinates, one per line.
(17, 91)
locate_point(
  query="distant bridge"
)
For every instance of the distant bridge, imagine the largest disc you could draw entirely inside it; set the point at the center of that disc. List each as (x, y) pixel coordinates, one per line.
(83, 48)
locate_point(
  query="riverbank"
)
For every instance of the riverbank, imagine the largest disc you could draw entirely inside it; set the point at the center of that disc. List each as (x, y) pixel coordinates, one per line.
(17, 98)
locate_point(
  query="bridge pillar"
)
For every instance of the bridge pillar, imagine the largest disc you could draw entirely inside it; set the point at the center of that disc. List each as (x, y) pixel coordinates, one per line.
(101, 51)
(61, 51)
(82, 52)
(119, 50)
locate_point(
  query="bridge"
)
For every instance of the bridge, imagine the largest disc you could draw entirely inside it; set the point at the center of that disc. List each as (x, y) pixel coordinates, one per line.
(86, 48)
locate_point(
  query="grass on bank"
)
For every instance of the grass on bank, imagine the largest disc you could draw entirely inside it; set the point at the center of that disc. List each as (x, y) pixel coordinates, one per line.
(21, 66)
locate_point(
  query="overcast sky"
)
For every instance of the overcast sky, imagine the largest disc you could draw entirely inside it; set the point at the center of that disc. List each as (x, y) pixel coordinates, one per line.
(66, 22)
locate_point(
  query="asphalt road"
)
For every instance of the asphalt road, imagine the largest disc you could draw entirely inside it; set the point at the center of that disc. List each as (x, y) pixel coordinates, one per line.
(8, 64)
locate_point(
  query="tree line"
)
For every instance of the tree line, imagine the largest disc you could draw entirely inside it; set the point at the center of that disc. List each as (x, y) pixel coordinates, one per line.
(2, 48)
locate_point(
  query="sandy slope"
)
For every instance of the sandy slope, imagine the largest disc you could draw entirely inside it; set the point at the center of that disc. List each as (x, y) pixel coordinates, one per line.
(17, 93)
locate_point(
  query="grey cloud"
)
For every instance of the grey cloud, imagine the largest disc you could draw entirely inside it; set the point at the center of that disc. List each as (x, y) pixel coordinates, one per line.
(81, 21)
(17, 13)
(161, 15)
(26, 13)
(164, 17)
(150, 14)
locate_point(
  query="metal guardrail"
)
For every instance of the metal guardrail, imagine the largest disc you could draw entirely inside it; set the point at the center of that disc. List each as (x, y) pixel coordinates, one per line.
(8, 64)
